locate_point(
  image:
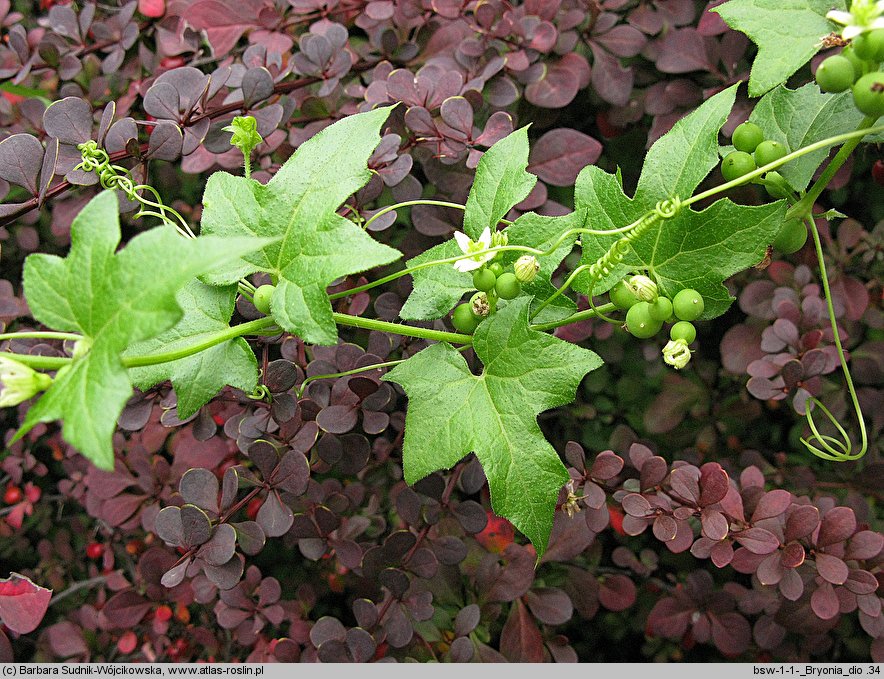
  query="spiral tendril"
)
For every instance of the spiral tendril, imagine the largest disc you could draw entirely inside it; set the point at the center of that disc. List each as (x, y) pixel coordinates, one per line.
(663, 210)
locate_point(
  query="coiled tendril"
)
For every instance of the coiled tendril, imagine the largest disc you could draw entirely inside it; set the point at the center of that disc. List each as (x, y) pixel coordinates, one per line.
(664, 209)
(118, 178)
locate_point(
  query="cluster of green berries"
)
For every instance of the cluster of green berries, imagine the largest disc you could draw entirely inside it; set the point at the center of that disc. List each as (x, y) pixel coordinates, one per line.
(857, 68)
(492, 283)
(752, 151)
(647, 311)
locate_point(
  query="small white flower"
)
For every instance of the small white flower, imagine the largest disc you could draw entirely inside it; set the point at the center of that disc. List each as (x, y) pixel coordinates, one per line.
(676, 353)
(19, 382)
(478, 250)
(864, 15)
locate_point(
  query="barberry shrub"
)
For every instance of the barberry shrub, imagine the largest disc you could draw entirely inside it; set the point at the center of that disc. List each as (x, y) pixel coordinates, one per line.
(360, 331)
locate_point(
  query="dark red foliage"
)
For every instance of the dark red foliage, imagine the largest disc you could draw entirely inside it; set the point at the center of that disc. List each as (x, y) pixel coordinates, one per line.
(280, 529)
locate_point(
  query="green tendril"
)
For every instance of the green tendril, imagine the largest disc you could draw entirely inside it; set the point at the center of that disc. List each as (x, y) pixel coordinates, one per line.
(663, 210)
(822, 445)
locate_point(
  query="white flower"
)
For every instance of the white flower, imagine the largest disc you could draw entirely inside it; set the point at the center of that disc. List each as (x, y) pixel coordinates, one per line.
(676, 353)
(479, 250)
(864, 15)
(19, 382)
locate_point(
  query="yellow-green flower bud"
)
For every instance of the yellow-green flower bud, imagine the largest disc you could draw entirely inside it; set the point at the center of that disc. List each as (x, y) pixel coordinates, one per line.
(479, 304)
(644, 288)
(499, 239)
(20, 382)
(526, 268)
(676, 353)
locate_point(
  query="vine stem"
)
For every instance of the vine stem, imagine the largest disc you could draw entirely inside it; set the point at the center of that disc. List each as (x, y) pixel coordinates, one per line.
(828, 452)
(347, 373)
(401, 329)
(576, 317)
(822, 144)
(41, 334)
(409, 203)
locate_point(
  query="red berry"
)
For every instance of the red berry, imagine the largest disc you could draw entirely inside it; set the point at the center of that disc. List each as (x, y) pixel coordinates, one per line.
(878, 172)
(163, 613)
(171, 62)
(253, 507)
(616, 519)
(13, 495)
(94, 550)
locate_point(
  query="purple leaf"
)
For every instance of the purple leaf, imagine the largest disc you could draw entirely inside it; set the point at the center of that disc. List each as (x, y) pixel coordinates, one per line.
(801, 521)
(606, 466)
(824, 602)
(550, 605)
(838, 524)
(468, 619)
(714, 484)
(636, 505)
(559, 85)
(772, 504)
(520, 640)
(125, 609)
(758, 540)
(665, 528)
(21, 157)
(831, 568)
(70, 120)
(221, 547)
(714, 524)
(250, 537)
(559, 155)
(200, 487)
(22, 603)
(617, 592)
(274, 517)
(168, 526)
(196, 528)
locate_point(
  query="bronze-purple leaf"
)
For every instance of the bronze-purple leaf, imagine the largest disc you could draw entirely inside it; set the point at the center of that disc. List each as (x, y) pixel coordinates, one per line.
(520, 639)
(616, 592)
(196, 528)
(831, 568)
(250, 537)
(636, 505)
(274, 517)
(125, 609)
(606, 466)
(758, 540)
(793, 555)
(838, 524)
(714, 484)
(220, 548)
(824, 602)
(714, 524)
(665, 528)
(801, 521)
(22, 603)
(21, 156)
(772, 504)
(559, 155)
(168, 526)
(200, 487)
(549, 605)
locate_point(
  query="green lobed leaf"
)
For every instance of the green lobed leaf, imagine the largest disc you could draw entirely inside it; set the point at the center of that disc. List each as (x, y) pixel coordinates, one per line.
(788, 33)
(198, 378)
(299, 206)
(115, 299)
(501, 182)
(452, 412)
(801, 117)
(694, 249)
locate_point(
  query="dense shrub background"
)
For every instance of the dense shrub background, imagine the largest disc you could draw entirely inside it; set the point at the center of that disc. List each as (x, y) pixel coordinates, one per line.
(337, 559)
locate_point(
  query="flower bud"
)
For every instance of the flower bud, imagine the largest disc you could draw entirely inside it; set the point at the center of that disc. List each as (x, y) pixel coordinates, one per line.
(676, 353)
(499, 239)
(644, 288)
(20, 382)
(526, 268)
(81, 347)
(479, 304)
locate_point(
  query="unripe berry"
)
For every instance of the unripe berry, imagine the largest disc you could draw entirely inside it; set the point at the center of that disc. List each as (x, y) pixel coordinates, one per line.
(508, 286)
(688, 305)
(639, 322)
(683, 330)
(484, 280)
(262, 297)
(464, 320)
(747, 137)
(622, 296)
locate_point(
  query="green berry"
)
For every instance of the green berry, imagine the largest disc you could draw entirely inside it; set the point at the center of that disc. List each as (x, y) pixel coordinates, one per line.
(736, 164)
(769, 151)
(622, 296)
(777, 187)
(484, 280)
(683, 331)
(496, 268)
(508, 286)
(639, 321)
(688, 305)
(261, 298)
(661, 309)
(835, 74)
(859, 65)
(747, 137)
(868, 94)
(870, 45)
(464, 319)
(792, 237)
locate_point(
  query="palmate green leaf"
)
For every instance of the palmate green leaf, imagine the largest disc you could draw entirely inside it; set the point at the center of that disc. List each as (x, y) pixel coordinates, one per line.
(801, 117)
(198, 378)
(694, 249)
(114, 299)
(788, 33)
(501, 182)
(298, 205)
(452, 412)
